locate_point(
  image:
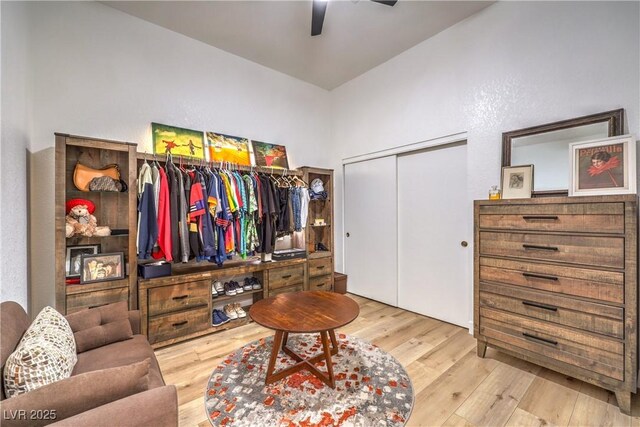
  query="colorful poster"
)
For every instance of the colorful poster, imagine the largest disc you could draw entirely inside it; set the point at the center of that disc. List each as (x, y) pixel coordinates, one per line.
(270, 155)
(601, 167)
(227, 148)
(177, 141)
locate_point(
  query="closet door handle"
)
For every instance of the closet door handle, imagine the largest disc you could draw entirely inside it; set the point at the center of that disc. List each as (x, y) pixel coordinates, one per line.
(181, 297)
(542, 248)
(541, 217)
(542, 340)
(286, 277)
(184, 322)
(348, 234)
(540, 276)
(538, 305)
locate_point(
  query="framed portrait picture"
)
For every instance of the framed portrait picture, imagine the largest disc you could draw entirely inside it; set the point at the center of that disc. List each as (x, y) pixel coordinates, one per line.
(227, 148)
(102, 267)
(74, 258)
(270, 155)
(517, 182)
(603, 166)
(177, 141)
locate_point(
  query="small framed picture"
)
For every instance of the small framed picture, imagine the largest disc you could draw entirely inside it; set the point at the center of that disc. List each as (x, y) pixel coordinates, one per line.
(102, 267)
(603, 166)
(270, 155)
(74, 255)
(517, 182)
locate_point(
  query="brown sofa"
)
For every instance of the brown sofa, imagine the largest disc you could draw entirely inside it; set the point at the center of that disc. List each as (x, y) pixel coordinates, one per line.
(118, 384)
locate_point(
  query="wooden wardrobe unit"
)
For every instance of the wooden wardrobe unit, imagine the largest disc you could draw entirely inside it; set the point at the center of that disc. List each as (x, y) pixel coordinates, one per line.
(555, 283)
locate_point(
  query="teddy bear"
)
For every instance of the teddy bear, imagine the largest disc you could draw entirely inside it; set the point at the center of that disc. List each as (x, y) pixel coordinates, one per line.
(80, 220)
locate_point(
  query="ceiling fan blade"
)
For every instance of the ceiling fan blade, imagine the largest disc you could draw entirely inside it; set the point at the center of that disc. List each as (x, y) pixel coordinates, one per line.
(387, 2)
(317, 16)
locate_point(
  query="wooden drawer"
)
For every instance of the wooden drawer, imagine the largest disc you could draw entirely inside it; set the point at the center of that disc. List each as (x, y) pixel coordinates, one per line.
(589, 316)
(319, 267)
(600, 285)
(287, 276)
(175, 325)
(282, 290)
(77, 302)
(321, 283)
(578, 217)
(588, 351)
(168, 299)
(601, 251)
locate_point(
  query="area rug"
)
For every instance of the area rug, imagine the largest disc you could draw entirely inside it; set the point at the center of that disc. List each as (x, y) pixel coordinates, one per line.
(372, 388)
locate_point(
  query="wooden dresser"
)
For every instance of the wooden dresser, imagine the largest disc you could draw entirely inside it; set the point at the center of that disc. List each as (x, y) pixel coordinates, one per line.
(555, 283)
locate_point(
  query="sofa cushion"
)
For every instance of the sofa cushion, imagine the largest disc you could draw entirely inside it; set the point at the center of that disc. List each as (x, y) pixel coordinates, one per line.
(100, 326)
(13, 324)
(120, 354)
(46, 353)
(75, 395)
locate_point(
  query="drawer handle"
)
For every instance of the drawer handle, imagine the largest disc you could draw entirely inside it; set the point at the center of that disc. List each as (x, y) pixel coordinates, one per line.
(542, 217)
(286, 277)
(543, 340)
(184, 322)
(181, 297)
(540, 276)
(320, 267)
(319, 285)
(538, 305)
(543, 248)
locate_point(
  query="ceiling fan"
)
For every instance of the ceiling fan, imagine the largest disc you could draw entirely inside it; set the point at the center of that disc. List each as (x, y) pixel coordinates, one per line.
(320, 7)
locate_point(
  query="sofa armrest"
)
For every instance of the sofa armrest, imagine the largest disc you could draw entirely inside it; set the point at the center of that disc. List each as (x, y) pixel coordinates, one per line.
(157, 407)
(134, 319)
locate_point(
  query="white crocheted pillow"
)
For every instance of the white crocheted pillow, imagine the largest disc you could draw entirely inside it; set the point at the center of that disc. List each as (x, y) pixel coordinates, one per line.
(46, 353)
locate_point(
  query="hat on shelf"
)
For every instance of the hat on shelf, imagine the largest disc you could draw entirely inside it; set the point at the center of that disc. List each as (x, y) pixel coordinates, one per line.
(72, 203)
(317, 186)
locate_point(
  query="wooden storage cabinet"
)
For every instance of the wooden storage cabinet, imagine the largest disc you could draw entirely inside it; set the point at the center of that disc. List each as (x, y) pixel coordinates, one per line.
(286, 279)
(556, 284)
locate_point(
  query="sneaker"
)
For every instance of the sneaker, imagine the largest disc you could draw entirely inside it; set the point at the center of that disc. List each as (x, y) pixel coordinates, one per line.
(321, 247)
(239, 289)
(219, 287)
(214, 293)
(240, 311)
(230, 311)
(229, 288)
(247, 284)
(219, 318)
(255, 283)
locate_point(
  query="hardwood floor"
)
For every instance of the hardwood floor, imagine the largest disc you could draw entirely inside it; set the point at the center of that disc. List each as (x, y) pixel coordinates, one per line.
(452, 386)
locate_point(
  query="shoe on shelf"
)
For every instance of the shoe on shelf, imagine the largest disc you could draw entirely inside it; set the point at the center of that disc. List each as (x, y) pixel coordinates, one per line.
(230, 311)
(321, 247)
(255, 283)
(229, 289)
(214, 293)
(247, 284)
(219, 318)
(240, 311)
(219, 287)
(239, 289)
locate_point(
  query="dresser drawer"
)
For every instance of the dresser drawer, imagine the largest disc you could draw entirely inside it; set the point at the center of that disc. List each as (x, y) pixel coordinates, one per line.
(283, 290)
(320, 283)
(172, 298)
(596, 284)
(166, 327)
(579, 217)
(601, 251)
(287, 276)
(77, 302)
(589, 316)
(588, 351)
(319, 267)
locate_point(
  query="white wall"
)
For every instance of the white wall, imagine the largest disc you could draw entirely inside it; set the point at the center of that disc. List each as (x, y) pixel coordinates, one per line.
(512, 65)
(100, 72)
(13, 154)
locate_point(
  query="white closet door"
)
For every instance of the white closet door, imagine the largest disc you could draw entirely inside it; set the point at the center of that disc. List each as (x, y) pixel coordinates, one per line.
(434, 218)
(370, 223)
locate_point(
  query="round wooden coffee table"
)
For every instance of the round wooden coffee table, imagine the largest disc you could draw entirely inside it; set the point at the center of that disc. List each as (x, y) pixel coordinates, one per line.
(304, 312)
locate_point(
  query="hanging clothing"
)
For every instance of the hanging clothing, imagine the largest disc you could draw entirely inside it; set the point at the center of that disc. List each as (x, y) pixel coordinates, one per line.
(304, 206)
(147, 233)
(164, 221)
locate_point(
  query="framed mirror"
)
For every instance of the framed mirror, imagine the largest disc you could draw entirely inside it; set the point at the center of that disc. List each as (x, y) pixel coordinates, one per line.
(547, 147)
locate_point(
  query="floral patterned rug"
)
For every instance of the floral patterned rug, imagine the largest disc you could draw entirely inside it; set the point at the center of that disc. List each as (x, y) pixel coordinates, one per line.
(372, 388)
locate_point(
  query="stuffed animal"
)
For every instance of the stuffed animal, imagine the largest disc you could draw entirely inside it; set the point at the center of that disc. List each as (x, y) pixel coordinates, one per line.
(80, 220)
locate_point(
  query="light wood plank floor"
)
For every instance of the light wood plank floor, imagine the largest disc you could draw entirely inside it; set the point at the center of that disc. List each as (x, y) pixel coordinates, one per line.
(452, 386)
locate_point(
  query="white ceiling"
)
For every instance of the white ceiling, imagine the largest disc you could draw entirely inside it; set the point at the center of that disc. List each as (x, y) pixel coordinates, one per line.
(357, 35)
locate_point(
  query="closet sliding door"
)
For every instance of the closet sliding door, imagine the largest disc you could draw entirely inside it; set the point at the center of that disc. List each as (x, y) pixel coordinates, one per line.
(370, 224)
(434, 221)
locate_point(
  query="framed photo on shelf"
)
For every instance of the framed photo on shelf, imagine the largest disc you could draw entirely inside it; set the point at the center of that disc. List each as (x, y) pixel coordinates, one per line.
(74, 258)
(227, 148)
(270, 155)
(177, 141)
(603, 166)
(102, 267)
(517, 182)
